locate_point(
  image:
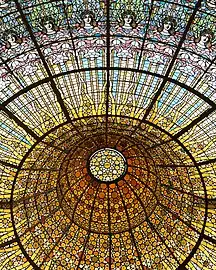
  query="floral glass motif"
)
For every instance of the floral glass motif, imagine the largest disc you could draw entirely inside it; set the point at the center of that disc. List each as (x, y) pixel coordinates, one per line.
(107, 165)
(132, 78)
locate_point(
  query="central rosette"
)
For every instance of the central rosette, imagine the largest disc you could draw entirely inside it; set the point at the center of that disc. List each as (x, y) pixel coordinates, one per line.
(108, 189)
(107, 165)
(63, 198)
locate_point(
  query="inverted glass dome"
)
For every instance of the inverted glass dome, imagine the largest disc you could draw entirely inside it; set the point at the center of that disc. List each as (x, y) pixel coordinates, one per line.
(107, 134)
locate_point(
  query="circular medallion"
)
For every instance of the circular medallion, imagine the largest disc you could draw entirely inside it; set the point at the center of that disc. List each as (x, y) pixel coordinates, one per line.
(107, 165)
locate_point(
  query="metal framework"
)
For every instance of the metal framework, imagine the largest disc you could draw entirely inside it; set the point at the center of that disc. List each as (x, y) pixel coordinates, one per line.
(87, 129)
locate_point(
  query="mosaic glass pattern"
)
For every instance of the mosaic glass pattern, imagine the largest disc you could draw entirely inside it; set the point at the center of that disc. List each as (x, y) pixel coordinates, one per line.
(107, 165)
(81, 77)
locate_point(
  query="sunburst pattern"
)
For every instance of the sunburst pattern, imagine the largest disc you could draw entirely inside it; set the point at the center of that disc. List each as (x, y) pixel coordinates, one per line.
(107, 135)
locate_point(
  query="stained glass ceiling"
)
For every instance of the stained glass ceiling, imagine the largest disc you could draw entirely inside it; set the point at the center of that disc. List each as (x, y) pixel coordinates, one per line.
(107, 151)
